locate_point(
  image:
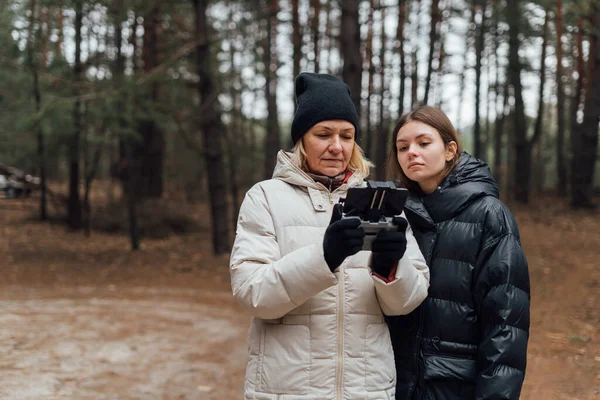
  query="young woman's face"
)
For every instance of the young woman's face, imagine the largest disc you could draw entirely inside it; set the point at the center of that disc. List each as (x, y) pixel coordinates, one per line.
(328, 146)
(422, 154)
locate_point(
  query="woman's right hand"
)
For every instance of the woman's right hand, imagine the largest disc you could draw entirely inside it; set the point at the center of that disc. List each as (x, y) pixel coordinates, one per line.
(388, 248)
(343, 238)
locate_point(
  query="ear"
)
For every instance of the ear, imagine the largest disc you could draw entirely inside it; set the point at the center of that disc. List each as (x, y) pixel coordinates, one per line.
(451, 148)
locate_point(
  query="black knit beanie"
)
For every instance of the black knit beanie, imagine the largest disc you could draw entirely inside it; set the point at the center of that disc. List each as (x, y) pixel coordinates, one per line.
(321, 97)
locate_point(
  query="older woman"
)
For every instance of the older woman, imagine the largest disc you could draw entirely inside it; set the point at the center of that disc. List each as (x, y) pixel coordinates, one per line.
(297, 267)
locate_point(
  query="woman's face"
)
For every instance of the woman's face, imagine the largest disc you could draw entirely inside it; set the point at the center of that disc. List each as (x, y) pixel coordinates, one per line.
(328, 146)
(422, 154)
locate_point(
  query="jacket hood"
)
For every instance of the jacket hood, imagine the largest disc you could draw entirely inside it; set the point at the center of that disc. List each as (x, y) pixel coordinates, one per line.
(287, 171)
(469, 181)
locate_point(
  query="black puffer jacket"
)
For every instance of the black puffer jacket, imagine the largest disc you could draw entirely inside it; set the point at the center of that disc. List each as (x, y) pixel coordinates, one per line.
(468, 340)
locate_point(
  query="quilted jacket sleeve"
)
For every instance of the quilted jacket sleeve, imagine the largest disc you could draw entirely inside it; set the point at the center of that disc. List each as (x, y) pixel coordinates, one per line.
(409, 289)
(267, 284)
(502, 301)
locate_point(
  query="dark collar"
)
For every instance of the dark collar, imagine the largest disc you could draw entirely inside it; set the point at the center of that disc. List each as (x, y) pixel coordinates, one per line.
(470, 180)
(330, 183)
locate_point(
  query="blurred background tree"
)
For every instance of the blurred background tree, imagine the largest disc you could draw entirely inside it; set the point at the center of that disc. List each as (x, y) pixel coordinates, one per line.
(194, 98)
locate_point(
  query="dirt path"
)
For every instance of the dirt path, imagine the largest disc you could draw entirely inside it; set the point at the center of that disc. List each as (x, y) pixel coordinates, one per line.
(564, 348)
(142, 344)
(86, 319)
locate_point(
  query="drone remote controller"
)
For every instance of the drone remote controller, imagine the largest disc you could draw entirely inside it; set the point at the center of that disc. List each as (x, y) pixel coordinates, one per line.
(375, 205)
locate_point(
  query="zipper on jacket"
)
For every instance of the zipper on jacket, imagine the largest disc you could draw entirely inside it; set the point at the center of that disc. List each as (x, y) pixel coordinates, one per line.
(340, 329)
(435, 343)
(416, 354)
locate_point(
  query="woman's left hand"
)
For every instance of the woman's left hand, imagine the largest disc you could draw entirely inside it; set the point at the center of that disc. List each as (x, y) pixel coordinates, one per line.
(388, 248)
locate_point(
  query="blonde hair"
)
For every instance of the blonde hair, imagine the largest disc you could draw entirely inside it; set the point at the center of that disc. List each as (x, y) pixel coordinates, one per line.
(359, 164)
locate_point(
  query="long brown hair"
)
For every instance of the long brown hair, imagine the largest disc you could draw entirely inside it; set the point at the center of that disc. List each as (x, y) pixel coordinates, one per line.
(435, 118)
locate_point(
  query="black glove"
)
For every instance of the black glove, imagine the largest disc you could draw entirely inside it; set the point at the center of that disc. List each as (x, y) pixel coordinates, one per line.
(343, 238)
(388, 248)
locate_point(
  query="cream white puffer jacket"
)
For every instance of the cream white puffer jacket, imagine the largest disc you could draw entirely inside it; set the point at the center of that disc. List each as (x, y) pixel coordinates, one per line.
(315, 334)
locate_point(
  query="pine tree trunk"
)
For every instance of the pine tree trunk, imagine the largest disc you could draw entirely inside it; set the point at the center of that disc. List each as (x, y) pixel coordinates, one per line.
(444, 29)
(296, 42)
(330, 40)
(499, 123)
(414, 78)
(368, 137)
(235, 126)
(150, 152)
(583, 172)
(522, 146)
(59, 29)
(489, 100)
(479, 46)
(576, 101)
(400, 41)
(316, 10)
(31, 45)
(575, 104)
(561, 166)
(535, 142)
(498, 136)
(134, 44)
(464, 69)
(134, 237)
(91, 169)
(212, 128)
(383, 132)
(350, 47)
(44, 32)
(128, 170)
(433, 37)
(74, 202)
(272, 142)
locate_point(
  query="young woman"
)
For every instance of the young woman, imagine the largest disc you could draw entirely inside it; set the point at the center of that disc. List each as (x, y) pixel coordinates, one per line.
(468, 340)
(317, 300)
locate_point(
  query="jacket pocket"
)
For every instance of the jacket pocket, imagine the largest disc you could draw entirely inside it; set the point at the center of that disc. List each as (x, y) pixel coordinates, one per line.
(438, 366)
(284, 359)
(380, 370)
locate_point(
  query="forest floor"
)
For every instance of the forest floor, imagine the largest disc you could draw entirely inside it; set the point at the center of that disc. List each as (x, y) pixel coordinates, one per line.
(84, 318)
